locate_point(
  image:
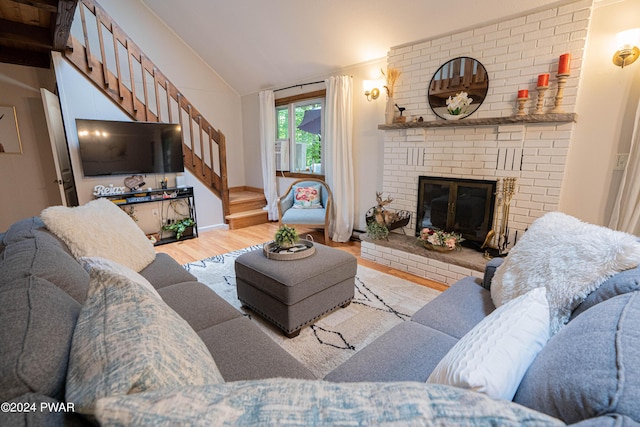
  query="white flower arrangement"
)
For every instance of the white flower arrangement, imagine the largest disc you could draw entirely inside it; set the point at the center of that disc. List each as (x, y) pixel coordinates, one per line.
(459, 103)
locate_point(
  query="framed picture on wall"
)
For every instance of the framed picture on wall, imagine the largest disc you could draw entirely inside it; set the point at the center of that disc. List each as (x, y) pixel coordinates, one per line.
(9, 134)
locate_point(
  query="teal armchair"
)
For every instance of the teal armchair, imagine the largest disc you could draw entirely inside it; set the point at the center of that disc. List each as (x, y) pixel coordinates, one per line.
(309, 217)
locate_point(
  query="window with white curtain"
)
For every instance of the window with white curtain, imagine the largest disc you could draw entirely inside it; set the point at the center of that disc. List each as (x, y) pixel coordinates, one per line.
(299, 126)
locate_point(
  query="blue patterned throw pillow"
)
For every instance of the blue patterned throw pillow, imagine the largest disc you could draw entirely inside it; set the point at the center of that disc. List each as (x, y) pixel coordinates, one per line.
(127, 340)
(277, 402)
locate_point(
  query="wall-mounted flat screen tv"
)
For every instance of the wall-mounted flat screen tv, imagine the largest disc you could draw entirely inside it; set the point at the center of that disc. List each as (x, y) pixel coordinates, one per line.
(128, 148)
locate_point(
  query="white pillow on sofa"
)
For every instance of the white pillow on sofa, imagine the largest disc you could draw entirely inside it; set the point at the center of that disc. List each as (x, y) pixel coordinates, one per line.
(493, 357)
(100, 228)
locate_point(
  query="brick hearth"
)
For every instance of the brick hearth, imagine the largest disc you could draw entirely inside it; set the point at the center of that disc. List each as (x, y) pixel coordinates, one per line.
(401, 252)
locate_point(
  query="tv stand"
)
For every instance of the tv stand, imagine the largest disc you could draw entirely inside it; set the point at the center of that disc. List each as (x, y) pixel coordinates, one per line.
(160, 195)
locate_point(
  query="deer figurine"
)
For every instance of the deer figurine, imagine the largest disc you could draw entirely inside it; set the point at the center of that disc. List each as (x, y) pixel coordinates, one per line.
(380, 214)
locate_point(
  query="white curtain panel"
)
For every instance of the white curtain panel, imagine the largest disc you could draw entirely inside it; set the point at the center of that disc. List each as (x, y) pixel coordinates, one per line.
(626, 211)
(338, 145)
(268, 151)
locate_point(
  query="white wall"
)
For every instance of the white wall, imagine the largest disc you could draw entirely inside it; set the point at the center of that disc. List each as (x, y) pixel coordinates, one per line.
(605, 106)
(26, 180)
(607, 102)
(198, 82)
(367, 140)
(368, 148)
(195, 80)
(79, 98)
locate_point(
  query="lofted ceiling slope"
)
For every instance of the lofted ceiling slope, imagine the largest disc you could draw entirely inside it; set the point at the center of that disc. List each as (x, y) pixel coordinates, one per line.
(256, 44)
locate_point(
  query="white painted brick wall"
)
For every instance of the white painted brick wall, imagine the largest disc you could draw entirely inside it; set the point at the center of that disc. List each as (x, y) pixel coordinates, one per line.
(514, 52)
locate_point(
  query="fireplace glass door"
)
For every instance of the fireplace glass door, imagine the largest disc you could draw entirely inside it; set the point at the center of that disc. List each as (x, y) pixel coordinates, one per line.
(459, 205)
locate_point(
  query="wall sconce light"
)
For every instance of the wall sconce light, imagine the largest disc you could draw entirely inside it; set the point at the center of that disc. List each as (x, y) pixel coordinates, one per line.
(628, 51)
(371, 90)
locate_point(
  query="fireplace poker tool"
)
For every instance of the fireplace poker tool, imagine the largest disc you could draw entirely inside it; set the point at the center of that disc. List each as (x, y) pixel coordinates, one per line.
(508, 190)
(505, 193)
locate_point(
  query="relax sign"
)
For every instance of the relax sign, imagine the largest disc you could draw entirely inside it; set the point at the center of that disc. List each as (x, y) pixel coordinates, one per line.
(101, 190)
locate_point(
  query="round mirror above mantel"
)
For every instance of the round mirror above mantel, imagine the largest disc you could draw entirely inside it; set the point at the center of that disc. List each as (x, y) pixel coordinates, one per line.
(453, 79)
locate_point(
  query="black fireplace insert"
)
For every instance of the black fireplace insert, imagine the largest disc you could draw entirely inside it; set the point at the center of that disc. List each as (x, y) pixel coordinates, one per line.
(463, 206)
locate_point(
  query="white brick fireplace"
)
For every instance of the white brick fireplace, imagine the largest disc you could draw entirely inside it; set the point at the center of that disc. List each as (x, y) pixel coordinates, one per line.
(514, 52)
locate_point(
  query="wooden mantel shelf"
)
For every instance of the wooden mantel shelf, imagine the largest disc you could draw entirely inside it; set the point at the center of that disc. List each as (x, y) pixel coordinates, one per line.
(493, 121)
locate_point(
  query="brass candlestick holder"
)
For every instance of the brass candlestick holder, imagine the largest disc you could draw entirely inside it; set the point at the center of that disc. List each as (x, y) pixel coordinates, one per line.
(521, 102)
(540, 104)
(562, 80)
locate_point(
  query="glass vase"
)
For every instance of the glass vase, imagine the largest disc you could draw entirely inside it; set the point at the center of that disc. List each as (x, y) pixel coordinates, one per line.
(389, 112)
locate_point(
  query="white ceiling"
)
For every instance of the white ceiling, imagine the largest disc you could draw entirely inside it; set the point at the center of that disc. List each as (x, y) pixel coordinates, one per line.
(262, 44)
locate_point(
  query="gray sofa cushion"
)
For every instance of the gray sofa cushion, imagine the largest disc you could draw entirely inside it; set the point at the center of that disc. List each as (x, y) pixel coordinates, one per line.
(197, 304)
(591, 367)
(165, 271)
(456, 311)
(30, 228)
(32, 418)
(40, 418)
(407, 352)
(490, 271)
(618, 284)
(243, 352)
(37, 321)
(44, 258)
(22, 229)
(608, 421)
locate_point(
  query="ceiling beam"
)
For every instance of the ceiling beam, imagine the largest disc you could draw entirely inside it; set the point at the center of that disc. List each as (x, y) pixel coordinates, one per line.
(64, 19)
(23, 57)
(50, 6)
(29, 35)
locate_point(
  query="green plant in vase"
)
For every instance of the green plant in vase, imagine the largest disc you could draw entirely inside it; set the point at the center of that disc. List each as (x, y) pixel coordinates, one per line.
(286, 236)
(377, 231)
(179, 227)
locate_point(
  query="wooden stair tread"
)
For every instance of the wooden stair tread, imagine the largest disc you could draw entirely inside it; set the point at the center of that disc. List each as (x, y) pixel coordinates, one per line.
(247, 218)
(236, 197)
(244, 214)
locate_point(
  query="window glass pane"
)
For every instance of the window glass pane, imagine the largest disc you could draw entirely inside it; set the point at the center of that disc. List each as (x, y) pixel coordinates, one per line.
(308, 139)
(282, 125)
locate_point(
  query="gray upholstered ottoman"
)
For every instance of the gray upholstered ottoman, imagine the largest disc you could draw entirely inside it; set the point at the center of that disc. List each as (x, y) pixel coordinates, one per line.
(292, 294)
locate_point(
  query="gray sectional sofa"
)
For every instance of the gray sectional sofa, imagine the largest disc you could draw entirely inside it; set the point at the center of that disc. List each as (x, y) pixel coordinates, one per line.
(42, 288)
(588, 373)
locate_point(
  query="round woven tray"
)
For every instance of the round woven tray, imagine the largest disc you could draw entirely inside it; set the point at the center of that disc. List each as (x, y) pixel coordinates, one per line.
(303, 249)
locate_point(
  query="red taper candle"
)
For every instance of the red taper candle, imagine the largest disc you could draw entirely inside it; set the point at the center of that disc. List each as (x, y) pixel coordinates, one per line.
(564, 64)
(543, 80)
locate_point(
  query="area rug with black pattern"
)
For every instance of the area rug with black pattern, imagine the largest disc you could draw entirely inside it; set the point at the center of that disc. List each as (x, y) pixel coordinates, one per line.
(381, 301)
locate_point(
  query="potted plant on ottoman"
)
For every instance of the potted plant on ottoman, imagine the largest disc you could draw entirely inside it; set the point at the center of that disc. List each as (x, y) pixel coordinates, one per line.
(286, 237)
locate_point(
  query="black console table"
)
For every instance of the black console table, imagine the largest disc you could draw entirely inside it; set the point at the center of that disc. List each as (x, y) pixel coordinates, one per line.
(160, 195)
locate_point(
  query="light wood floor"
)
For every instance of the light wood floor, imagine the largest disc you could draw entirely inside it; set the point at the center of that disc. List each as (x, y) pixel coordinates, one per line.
(219, 241)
